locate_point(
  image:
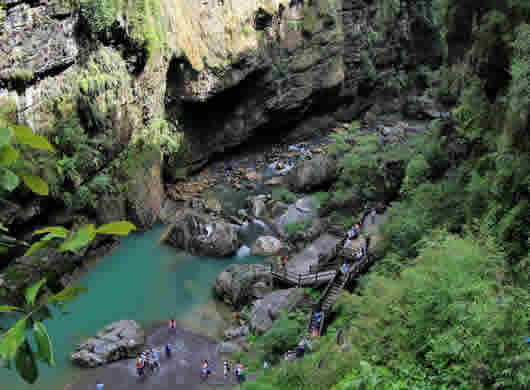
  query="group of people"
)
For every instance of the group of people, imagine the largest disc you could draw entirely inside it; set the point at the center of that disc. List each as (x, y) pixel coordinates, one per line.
(238, 371)
(353, 233)
(147, 359)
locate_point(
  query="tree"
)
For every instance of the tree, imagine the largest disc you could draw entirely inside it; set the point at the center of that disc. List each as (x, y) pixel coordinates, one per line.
(14, 344)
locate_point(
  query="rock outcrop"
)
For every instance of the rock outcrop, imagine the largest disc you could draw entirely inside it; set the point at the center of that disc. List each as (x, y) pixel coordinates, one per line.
(200, 234)
(268, 309)
(241, 283)
(267, 246)
(120, 340)
(311, 174)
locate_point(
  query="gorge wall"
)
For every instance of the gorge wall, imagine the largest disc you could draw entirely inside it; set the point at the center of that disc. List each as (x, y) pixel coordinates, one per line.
(130, 92)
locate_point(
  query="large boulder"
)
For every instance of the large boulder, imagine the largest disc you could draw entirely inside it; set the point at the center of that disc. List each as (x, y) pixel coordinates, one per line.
(256, 205)
(242, 283)
(303, 211)
(267, 246)
(268, 309)
(314, 173)
(202, 235)
(119, 340)
(234, 333)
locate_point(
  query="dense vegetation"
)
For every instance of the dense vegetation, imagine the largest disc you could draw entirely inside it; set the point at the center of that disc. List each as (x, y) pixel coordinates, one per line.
(448, 304)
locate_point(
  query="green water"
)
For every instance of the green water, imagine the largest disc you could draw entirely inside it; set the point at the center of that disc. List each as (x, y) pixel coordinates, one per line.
(142, 281)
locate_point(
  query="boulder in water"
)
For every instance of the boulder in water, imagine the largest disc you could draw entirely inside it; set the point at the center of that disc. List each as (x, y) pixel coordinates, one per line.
(202, 235)
(310, 174)
(119, 340)
(241, 283)
(267, 246)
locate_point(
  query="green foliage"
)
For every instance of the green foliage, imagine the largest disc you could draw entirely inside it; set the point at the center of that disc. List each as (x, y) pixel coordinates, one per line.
(293, 228)
(321, 199)
(417, 172)
(445, 313)
(445, 84)
(520, 70)
(14, 344)
(282, 194)
(284, 334)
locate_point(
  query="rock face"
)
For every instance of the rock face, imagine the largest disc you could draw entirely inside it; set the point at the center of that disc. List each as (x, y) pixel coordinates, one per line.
(201, 235)
(267, 246)
(241, 283)
(300, 212)
(119, 340)
(267, 309)
(234, 333)
(310, 174)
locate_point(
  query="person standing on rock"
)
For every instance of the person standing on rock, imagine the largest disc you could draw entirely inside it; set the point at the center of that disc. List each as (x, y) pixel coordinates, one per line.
(226, 368)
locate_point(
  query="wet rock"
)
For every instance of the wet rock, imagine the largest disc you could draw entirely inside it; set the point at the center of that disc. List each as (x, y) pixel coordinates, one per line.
(233, 333)
(228, 347)
(267, 246)
(273, 181)
(313, 173)
(421, 107)
(119, 340)
(235, 285)
(256, 205)
(202, 235)
(267, 309)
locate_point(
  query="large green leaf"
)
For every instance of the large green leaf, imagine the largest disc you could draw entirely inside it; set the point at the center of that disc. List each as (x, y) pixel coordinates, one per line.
(26, 364)
(121, 228)
(51, 236)
(8, 180)
(44, 343)
(8, 155)
(12, 340)
(5, 136)
(36, 184)
(26, 136)
(67, 295)
(36, 246)
(3, 228)
(51, 229)
(8, 309)
(33, 290)
(78, 240)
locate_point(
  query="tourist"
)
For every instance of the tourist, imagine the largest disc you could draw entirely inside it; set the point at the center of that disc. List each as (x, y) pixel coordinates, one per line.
(156, 361)
(226, 368)
(238, 372)
(300, 350)
(168, 350)
(140, 364)
(344, 268)
(172, 324)
(265, 365)
(206, 367)
(99, 386)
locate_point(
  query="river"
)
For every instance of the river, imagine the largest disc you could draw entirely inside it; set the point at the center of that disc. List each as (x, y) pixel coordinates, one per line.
(140, 280)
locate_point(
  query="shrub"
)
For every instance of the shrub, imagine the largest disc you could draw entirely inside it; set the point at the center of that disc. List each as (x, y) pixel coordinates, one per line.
(297, 227)
(283, 195)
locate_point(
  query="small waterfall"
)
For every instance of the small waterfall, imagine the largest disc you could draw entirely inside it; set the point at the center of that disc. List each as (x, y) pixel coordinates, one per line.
(243, 251)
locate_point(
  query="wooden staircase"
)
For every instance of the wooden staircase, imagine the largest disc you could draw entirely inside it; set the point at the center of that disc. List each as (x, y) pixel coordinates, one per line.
(336, 287)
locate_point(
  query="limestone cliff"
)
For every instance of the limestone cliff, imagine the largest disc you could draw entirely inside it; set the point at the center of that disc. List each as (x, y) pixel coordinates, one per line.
(130, 90)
